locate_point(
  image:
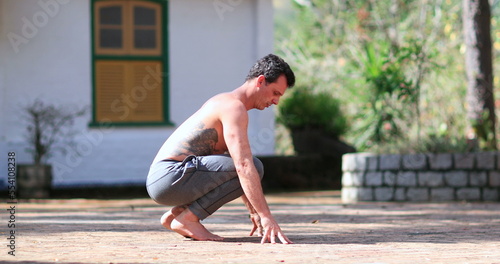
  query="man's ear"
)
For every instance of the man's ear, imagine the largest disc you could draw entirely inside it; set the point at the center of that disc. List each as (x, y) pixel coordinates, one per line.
(261, 80)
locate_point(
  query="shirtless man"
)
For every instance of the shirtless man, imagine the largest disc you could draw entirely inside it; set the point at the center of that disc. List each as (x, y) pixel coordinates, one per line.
(207, 161)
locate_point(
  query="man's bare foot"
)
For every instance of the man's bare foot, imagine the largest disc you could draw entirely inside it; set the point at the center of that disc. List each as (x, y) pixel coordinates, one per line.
(188, 225)
(167, 218)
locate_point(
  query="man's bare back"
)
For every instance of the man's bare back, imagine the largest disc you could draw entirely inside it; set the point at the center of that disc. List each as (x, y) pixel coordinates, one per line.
(202, 133)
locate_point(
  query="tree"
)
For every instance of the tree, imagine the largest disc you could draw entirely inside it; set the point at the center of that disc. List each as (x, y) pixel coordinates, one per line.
(479, 69)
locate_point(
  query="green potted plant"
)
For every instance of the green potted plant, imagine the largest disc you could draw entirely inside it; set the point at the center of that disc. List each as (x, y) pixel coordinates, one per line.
(48, 130)
(315, 121)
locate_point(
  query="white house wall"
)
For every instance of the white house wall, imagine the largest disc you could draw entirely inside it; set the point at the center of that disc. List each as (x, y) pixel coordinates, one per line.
(3, 92)
(212, 45)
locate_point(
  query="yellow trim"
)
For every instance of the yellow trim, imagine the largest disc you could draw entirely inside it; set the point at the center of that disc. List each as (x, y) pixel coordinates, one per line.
(128, 28)
(157, 27)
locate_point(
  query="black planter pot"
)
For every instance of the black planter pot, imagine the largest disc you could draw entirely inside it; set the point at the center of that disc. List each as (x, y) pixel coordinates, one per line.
(315, 141)
(34, 181)
(306, 141)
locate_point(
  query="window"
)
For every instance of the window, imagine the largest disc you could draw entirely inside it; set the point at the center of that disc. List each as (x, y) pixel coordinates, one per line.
(129, 62)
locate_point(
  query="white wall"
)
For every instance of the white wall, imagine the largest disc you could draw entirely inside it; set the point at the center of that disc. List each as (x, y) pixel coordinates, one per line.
(2, 74)
(3, 143)
(215, 55)
(51, 62)
(211, 50)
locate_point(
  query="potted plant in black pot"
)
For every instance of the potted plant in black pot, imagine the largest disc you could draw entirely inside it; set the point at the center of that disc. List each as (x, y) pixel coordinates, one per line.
(49, 129)
(315, 121)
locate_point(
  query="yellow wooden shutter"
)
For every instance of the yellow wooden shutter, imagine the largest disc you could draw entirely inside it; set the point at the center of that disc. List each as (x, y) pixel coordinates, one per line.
(145, 89)
(129, 91)
(128, 62)
(110, 86)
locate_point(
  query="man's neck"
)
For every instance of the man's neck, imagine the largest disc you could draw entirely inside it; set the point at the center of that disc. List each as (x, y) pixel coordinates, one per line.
(244, 93)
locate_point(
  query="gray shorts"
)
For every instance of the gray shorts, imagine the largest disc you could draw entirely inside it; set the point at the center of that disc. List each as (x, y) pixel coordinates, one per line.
(205, 183)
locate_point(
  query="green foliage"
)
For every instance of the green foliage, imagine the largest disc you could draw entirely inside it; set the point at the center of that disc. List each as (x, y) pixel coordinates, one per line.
(436, 141)
(394, 85)
(483, 131)
(380, 58)
(303, 109)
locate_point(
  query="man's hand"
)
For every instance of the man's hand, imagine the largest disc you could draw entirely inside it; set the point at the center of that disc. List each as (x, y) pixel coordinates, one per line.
(271, 230)
(257, 226)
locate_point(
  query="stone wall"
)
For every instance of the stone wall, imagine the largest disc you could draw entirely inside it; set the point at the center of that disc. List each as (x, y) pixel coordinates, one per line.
(421, 177)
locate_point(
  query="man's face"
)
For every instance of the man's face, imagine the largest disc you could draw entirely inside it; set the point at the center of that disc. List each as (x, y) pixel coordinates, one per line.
(272, 92)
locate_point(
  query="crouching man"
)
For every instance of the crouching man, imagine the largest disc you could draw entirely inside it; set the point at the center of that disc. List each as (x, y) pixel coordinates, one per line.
(207, 161)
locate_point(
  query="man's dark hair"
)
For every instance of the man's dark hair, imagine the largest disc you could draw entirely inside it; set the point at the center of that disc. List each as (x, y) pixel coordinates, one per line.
(272, 67)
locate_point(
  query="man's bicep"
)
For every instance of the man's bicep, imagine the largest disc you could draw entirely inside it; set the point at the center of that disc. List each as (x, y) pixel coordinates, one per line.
(235, 127)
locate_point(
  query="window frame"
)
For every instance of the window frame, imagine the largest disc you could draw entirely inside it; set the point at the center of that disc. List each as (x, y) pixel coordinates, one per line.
(161, 56)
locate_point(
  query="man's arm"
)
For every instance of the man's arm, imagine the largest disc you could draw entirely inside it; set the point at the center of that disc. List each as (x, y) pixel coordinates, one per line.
(254, 217)
(235, 124)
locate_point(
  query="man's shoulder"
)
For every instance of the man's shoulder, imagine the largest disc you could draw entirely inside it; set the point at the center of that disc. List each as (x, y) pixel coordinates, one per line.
(227, 102)
(225, 107)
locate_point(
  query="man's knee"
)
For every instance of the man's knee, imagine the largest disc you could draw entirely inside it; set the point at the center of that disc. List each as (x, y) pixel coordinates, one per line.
(259, 166)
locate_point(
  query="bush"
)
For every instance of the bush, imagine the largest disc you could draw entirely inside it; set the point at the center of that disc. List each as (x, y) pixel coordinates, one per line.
(49, 129)
(303, 109)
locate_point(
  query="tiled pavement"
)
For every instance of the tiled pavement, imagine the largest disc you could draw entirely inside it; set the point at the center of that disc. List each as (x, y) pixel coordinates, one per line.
(323, 229)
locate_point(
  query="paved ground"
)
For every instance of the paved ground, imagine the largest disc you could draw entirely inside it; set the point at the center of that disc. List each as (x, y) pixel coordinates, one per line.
(323, 229)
